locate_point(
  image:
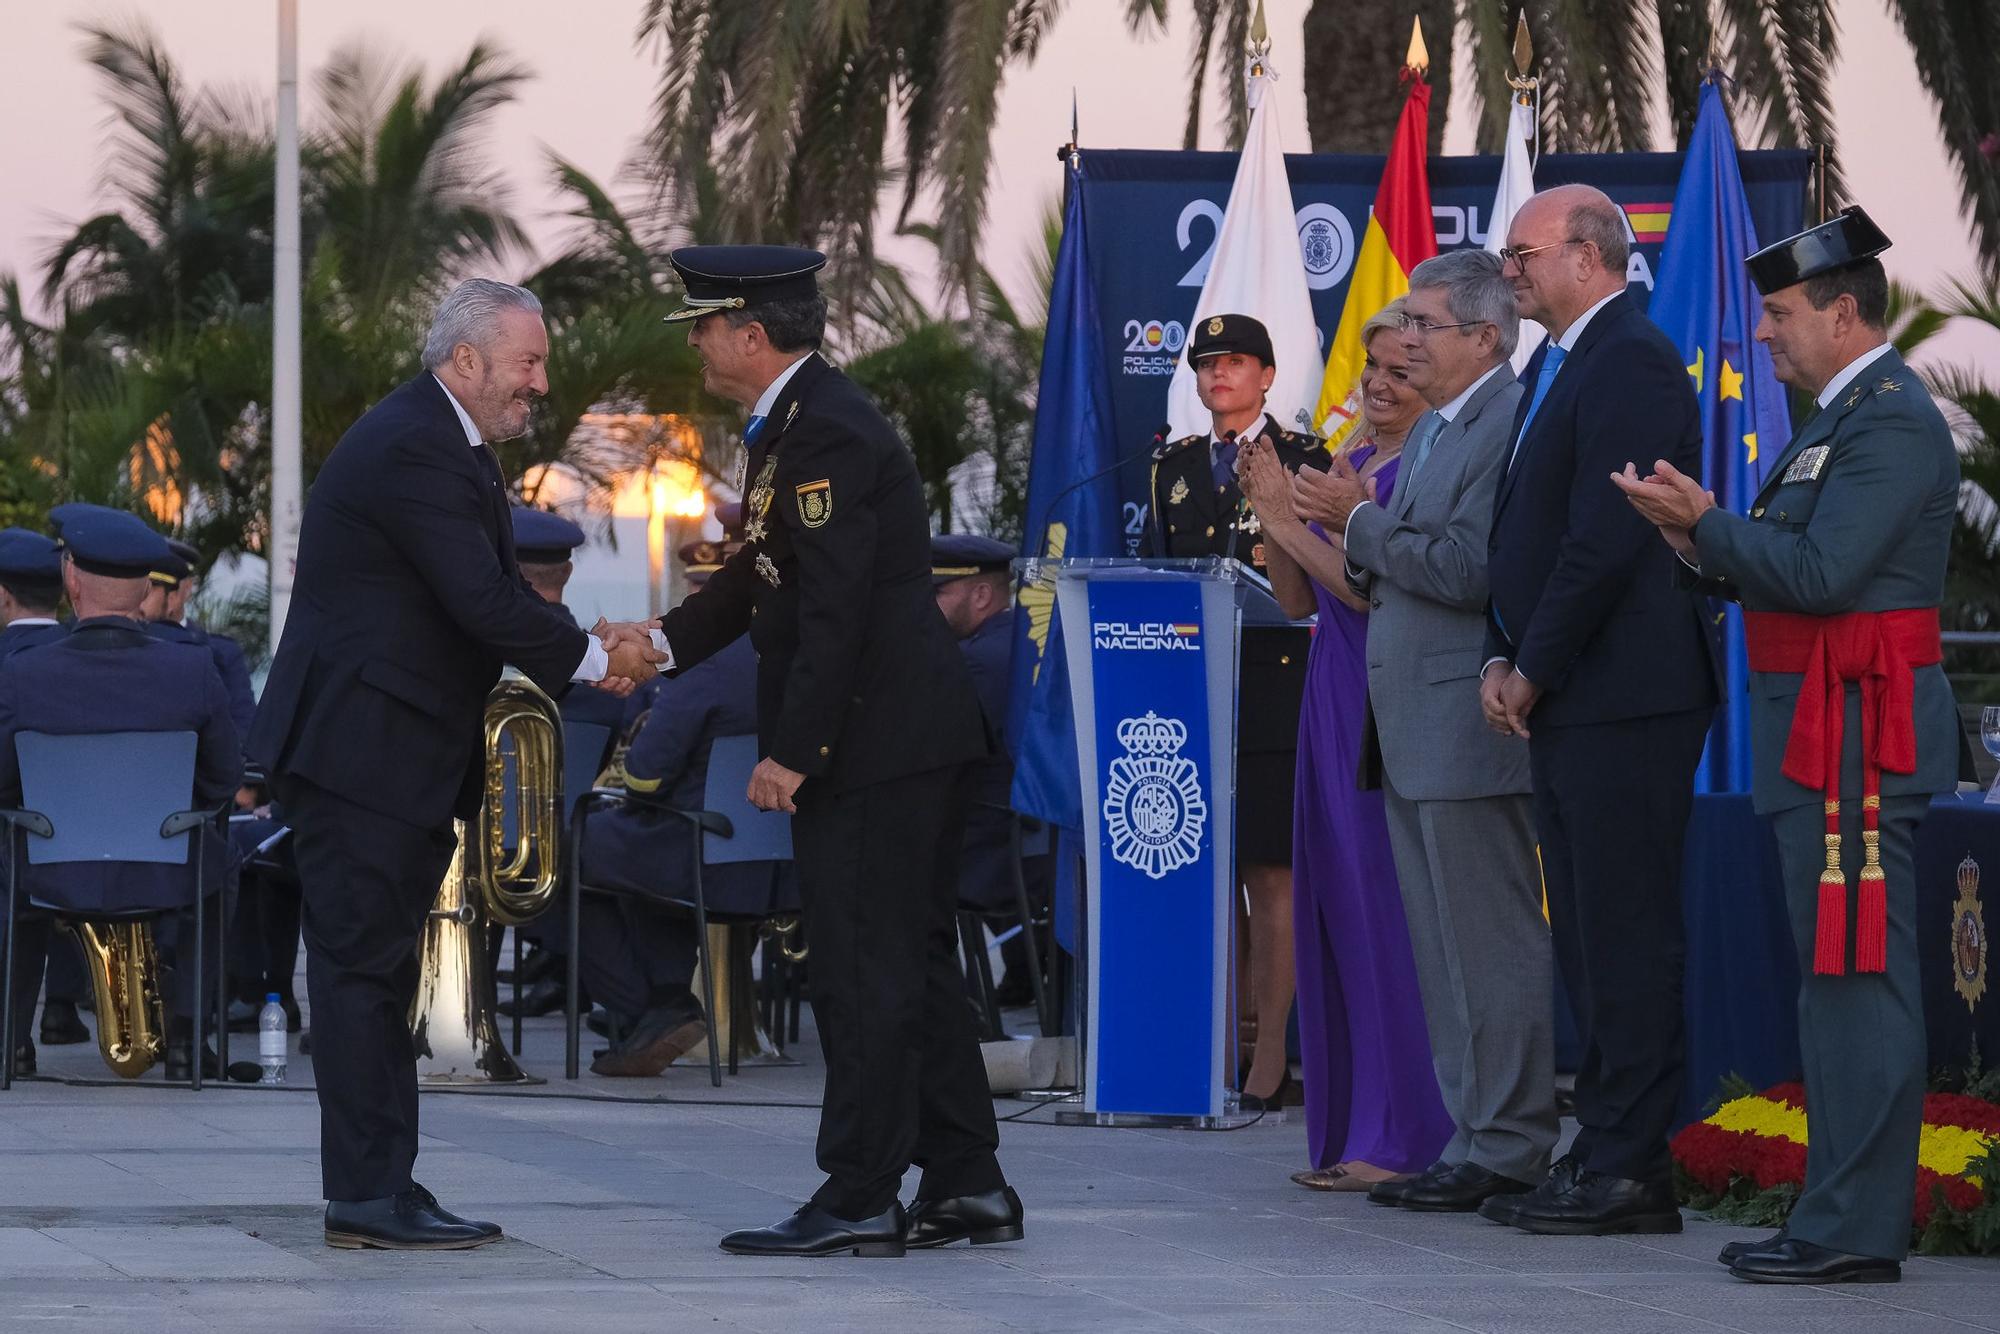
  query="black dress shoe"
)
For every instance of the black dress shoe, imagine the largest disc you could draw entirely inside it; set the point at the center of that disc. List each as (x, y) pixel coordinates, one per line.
(180, 1065)
(406, 1222)
(1796, 1261)
(814, 1231)
(983, 1219)
(60, 1026)
(1273, 1102)
(1393, 1191)
(1736, 1250)
(1600, 1206)
(544, 997)
(430, 1202)
(1562, 1176)
(660, 1038)
(1460, 1191)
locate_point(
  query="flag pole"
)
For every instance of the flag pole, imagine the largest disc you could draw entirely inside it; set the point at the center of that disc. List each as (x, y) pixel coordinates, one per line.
(287, 471)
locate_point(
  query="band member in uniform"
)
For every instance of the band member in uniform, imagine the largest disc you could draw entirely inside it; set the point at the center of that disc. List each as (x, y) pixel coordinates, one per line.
(1840, 567)
(545, 545)
(30, 590)
(165, 614)
(1198, 509)
(868, 723)
(408, 602)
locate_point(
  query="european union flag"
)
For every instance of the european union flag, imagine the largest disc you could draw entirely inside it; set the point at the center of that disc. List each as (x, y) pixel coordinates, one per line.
(1073, 439)
(1707, 305)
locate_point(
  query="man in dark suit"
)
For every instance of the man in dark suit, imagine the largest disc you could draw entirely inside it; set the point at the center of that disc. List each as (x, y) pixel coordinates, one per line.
(1840, 566)
(408, 601)
(108, 675)
(1603, 663)
(868, 721)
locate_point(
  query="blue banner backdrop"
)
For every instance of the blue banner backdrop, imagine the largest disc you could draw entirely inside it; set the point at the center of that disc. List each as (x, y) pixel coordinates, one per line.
(1154, 217)
(1153, 919)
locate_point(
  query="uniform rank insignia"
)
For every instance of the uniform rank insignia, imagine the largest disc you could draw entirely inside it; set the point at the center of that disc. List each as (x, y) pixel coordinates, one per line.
(1215, 327)
(1178, 493)
(1250, 523)
(768, 568)
(816, 503)
(1889, 387)
(742, 475)
(1807, 466)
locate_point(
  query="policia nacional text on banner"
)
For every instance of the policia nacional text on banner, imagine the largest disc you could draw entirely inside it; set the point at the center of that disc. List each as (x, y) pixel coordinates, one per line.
(1152, 668)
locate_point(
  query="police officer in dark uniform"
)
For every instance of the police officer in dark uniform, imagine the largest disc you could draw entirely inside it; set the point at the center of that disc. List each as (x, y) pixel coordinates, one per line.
(30, 590)
(108, 675)
(544, 546)
(165, 614)
(1840, 568)
(868, 723)
(1199, 509)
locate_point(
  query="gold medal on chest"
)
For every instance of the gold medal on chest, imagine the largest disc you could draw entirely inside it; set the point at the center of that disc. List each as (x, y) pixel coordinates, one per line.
(1178, 494)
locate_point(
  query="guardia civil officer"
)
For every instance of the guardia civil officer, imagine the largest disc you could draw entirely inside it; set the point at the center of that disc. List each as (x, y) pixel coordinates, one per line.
(867, 720)
(1840, 567)
(1198, 509)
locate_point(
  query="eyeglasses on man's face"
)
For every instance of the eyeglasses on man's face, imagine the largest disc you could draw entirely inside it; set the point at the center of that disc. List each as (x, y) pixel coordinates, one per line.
(1424, 328)
(1511, 255)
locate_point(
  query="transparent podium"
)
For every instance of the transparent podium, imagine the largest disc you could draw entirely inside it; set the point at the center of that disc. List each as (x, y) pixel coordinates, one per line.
(1151, 651)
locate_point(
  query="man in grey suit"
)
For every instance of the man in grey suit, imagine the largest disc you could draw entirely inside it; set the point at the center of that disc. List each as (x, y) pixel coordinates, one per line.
(1461, 821)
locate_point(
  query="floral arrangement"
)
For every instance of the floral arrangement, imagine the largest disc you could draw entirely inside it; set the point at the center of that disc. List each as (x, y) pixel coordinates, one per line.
(1746, 1163)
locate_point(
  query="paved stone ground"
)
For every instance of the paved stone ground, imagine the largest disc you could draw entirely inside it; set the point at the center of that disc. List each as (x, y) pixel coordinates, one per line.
(148, 1208)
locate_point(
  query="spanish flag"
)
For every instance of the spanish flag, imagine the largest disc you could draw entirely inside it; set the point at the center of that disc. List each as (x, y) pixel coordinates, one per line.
(1400, 236)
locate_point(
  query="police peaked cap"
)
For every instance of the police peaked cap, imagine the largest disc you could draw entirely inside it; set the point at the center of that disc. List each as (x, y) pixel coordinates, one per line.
(542, 538)
(178, 565)
(962, 555)
(743, 277)
(1835, 243)
(114, 544)
(1230, 333)
(28, 555)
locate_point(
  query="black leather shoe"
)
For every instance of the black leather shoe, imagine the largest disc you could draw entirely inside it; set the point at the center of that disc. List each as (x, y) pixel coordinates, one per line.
(983, 1219)
(430, 1202)
(1393, 1191)
(1459, 1191)
(180, 1065)
(544, 997)
(1736, 1250)
(24, 1059)
(1795, 1261)
(1600, 1206)
(1276, 1101)
(405, 1222)
(1562, 1176)
(60, 1026)
(814, 1231)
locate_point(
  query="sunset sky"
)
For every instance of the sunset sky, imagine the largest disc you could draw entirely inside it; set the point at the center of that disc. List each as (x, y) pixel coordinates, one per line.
(592, 86)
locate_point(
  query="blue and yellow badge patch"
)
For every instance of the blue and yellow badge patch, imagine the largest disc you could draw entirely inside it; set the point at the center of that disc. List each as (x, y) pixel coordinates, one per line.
(815, 502)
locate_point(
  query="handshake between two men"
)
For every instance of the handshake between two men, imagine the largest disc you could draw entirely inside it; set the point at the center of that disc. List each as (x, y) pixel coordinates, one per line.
(637, 652)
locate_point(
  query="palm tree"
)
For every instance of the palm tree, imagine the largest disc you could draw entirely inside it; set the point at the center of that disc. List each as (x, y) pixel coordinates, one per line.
(1957, 45)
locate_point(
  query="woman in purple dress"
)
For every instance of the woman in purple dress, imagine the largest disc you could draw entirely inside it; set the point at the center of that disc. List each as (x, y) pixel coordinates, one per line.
(1373, 1112)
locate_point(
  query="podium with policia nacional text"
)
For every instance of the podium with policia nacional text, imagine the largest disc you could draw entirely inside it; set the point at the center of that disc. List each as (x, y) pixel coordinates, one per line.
(1151, 651)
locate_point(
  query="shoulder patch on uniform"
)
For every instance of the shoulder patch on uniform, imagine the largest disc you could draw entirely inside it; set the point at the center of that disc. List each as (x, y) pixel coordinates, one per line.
(1173, 447)
(815, 502)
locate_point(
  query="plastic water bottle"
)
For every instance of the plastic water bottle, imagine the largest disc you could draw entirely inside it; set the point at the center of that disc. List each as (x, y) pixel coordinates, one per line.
(271, 1040)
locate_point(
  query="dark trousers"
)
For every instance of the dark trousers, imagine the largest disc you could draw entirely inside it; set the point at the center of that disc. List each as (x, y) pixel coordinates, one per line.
(1611, 810)
(369, 882)
(905, 1082)
(67, 979)
(635, 955)
(31, 947)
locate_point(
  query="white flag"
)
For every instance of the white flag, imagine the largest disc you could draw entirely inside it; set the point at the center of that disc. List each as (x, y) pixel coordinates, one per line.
(1517, 182)
(1257, 270)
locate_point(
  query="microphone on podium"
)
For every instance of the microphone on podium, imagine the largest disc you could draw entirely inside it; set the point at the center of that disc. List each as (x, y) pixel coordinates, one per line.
(1154, 450)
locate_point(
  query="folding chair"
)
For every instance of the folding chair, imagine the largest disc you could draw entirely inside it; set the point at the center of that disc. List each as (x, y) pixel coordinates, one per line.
(111, 797)
(727, 830)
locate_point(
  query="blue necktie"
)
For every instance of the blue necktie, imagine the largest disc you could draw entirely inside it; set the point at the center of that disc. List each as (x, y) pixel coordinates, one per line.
(1550, 365)
(1222, 464)
(750, 430)
(1429, 428)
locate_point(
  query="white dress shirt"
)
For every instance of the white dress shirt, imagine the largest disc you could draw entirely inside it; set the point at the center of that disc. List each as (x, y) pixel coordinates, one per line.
(35, 620)
(596, 662)
(769, 398)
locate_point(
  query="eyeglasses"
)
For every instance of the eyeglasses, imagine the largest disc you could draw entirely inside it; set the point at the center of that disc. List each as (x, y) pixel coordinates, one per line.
(1424, 328)
(1509, 255)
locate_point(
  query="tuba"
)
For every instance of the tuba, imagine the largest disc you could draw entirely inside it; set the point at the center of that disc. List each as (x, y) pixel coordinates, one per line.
(506, 870)
(125, 977)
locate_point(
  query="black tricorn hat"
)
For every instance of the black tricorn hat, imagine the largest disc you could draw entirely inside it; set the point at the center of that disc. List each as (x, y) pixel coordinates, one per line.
(1840, 240)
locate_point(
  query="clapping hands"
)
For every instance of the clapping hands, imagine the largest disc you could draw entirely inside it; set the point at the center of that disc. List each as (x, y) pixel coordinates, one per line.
(1264, 482)
(1327, 498)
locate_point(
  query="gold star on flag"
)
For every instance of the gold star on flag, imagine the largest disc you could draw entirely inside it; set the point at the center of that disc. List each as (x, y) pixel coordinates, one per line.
(1695, 370)
(1750, 444)
(1730, 385)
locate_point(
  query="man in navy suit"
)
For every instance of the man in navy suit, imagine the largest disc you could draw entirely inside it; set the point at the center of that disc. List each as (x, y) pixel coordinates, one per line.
(1602, 661)
(408, 602)
(108, 675)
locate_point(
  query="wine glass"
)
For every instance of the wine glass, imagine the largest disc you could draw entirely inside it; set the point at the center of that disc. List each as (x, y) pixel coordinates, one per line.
(1989, 734)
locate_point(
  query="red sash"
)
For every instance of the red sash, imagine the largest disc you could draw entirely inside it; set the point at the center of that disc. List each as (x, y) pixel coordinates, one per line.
(1878, 650)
